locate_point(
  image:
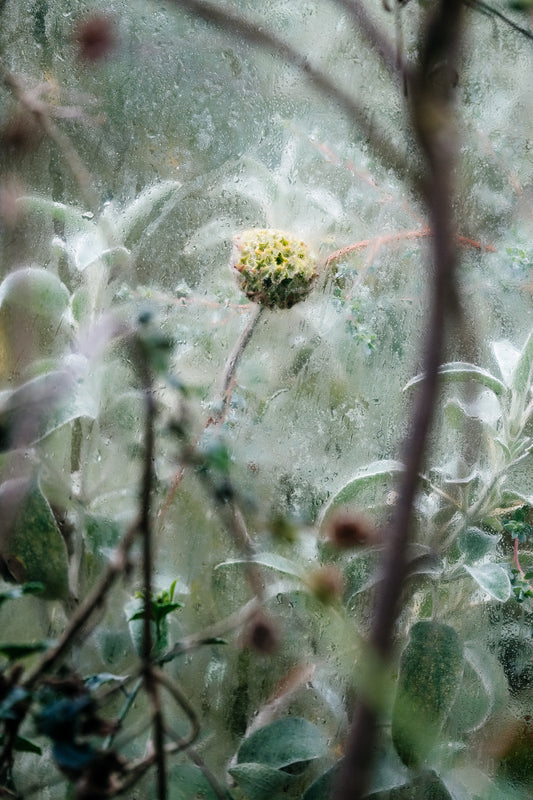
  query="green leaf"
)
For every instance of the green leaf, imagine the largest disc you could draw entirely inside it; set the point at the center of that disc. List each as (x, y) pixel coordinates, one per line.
(286, 741)
(260, 782)
(507, 357)
(188, 782)
(93, 682)
(388, 774)
(23, 745)
(32, 547)
(431, 667)
(521, 378)
(16, 651)
(475, 543)
(40, 406)
(493, 579)
(475, 698)
(373, 475)
(20, 591)
(70, 215)
(463, 371)
(36, 292)
(133, 220)
(270, 560)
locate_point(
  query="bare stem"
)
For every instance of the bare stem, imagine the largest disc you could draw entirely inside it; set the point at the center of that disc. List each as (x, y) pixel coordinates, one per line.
(151, 681)
(432, 122)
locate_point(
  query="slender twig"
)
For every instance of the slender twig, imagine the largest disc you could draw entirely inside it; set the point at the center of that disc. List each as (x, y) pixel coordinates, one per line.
(218, 417)
(485, 8)
(236, 25)
(230, 368)
(381, 241)
(145, 528)
(135, 770)
(231, 623)
(432, 122)
(40, 112)
(372, 34)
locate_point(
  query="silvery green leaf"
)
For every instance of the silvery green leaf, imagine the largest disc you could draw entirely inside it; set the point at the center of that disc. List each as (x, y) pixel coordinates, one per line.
(521, 378)
(464, 371)
(493, 579)
(507, 357)
(137, 214)
(373, 474)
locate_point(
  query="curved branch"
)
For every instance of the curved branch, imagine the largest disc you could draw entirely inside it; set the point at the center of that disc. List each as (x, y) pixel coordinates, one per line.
(432, 115)
(239, 27)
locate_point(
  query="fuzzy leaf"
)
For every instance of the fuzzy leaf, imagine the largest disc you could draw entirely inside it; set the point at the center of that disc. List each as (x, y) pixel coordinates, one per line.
(270, 560)
(373, 474)
(186, 781)
(463, 371)
(493, 579)
(475, 543)
(521, 378)
(286, 741)
(137, 214)
(259, 781)
(32, 547)
(431, 668)
(507, 358)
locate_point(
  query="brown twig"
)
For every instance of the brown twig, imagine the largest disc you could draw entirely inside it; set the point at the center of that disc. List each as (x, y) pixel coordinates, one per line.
(243, 29)
(377, 40)
(218, 417)
(151, 680)
(432, 122)
(40, 112)
(135, 770)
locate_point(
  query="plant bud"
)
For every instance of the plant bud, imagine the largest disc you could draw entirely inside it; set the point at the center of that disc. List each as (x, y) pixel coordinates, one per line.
(261, 635)
(352, 530)
(326, 583)
(273, 268)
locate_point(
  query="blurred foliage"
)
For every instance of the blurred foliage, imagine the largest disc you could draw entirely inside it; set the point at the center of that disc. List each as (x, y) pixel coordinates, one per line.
(276, 457)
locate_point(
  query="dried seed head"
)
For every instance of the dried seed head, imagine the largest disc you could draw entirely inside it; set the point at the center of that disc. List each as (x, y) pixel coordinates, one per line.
(273, 268)
(326, 583)
(352, 530)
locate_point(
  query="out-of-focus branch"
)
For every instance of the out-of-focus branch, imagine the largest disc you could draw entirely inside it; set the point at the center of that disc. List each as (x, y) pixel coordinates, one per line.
(236, 25)
(374, 36)
(151, 680)
(432, 115)
(490, 11)
(40, 112)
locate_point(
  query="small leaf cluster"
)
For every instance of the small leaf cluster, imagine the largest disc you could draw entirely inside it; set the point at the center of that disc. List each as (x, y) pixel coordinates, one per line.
(518, 525)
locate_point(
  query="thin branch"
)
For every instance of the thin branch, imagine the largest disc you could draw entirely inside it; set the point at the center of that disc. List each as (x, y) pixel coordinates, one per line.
(485, 8)
(236, 25)
(136, 770)
(145, 529)
(218, 417)
(230, 367)
(41, 114)
(375, 38)
(432, 122)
